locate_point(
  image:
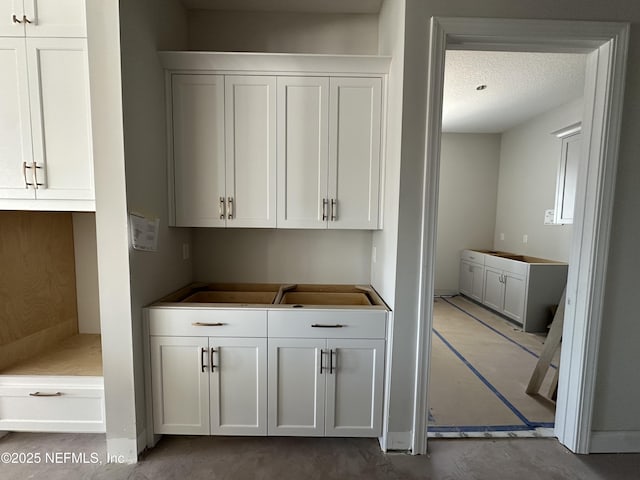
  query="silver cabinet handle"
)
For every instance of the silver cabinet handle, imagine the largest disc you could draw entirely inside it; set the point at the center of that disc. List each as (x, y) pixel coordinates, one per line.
(321, 325)
(334, 209)
(25, 19)
(24, 174)
(222, 208)
(15, 20)
(230, 203)
(321, 357)
(36, 184)
(325, 203)
(40, 394)
(204, 324)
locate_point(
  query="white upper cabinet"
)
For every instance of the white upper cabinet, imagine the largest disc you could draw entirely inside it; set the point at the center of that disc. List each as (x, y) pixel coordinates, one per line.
(329, 152)
(60, 118)
(198, 150)
(15, 121)
(45, 128)
(250, 139)
(46, 160)
(301, 150)
(354, 152)
(43, 18)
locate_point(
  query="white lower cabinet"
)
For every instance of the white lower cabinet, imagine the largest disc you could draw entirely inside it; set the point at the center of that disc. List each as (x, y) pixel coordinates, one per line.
(316, 373)
(472, 279)
(329, 387)
(505, 292)
(209, 385)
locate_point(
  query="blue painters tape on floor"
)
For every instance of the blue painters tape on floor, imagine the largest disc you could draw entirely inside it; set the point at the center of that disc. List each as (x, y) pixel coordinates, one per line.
(493, 329)
(483, 428)
(495, 391)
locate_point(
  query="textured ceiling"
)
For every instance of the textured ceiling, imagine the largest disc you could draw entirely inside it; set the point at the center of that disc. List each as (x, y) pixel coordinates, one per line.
(520, 85)
(317, 6)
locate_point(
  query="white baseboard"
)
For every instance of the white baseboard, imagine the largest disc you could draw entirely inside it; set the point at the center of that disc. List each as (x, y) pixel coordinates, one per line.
(399, 441)
(122, 450)
(615, 442)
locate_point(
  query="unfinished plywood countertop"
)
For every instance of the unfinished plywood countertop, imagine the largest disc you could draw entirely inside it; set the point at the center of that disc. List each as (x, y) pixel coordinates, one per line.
(269, 295)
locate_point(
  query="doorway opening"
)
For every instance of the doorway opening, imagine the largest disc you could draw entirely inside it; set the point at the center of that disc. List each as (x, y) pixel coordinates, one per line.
(606, 46)
(502, 253)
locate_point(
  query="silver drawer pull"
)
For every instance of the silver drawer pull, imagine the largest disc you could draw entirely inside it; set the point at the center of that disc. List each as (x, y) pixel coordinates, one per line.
(203, 324)
(319, 325)
(40, 394)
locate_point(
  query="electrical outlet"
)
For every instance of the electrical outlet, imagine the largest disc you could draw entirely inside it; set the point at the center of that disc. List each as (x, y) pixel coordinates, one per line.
(502, 236)
(185, 251)
(525, 238)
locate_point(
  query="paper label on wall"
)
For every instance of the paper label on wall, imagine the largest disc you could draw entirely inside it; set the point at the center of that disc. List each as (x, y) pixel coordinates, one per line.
(144, 232)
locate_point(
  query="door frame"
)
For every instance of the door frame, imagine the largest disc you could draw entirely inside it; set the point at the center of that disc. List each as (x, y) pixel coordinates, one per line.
(607, 44)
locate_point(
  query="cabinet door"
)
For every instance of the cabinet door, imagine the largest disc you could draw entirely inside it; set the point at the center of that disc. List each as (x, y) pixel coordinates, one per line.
(296, 387)
(354, 388)
(354, 152)
(60, 118)
(477, 280)
(198, 150)
(303, 142)
(238, 386)
(567, 179)
(180, 385)
(250, 131)
(55, 18)
(465, 282)
(515, 288)
(493, 289)
(15, 125)
(9, 27)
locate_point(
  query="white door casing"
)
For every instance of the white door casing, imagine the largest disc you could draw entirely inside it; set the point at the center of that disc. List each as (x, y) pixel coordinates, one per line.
(607, 45)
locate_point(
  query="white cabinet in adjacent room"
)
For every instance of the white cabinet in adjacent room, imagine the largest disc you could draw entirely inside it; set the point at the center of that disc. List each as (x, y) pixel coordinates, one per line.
(520, 287)
(472, 275)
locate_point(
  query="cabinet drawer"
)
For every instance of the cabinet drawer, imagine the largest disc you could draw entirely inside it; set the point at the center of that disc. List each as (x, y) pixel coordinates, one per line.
(52, 408)
(207, 322)
(473, 256)
(327, 324)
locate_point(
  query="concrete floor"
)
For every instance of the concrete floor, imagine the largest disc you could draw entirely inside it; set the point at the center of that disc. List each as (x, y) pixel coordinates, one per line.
(283, 458)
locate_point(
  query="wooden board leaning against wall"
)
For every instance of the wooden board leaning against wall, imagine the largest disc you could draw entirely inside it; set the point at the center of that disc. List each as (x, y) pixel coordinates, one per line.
(37, 285)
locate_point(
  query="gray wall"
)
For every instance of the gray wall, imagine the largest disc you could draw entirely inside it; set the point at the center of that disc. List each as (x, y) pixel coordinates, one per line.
(282, 256)
(146, 27)
(329, 33)
(467, 201)
(616, 398)
(529, 157)
(385, 241)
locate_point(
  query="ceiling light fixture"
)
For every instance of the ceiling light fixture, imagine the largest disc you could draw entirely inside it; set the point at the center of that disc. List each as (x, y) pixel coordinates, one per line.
(481, 87)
